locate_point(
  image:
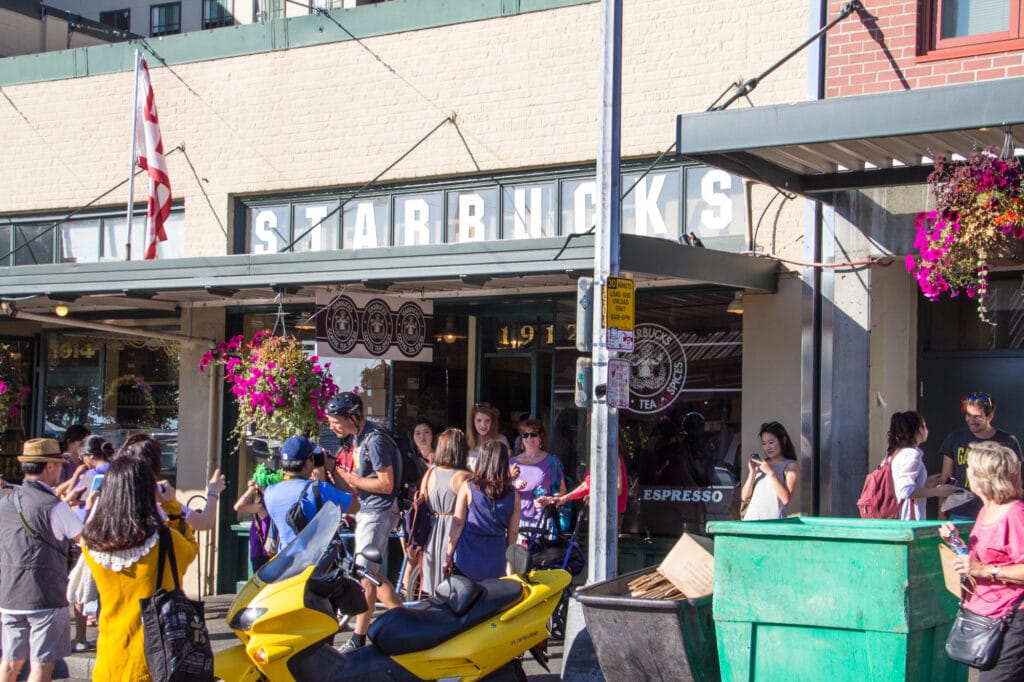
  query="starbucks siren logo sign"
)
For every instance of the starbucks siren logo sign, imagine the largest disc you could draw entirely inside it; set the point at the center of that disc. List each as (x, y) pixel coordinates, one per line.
(657, 369)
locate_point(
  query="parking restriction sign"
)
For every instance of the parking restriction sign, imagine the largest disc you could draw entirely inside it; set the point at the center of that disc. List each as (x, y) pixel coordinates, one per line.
(618, 383)
(620, 313)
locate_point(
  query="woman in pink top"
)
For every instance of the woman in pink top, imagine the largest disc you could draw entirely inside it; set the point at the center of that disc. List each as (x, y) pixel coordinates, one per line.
(995, 563)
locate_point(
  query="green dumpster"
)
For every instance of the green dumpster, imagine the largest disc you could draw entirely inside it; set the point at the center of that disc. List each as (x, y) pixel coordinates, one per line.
(831, 599)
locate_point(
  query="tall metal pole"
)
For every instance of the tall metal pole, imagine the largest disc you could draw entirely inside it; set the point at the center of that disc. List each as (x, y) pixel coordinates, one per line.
(131, 161)
(604, 468)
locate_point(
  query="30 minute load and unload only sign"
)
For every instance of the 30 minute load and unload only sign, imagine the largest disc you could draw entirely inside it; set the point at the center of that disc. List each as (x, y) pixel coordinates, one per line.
(620, 313)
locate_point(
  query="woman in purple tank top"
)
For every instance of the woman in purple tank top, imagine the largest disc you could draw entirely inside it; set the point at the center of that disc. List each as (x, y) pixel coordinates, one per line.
(486, 519)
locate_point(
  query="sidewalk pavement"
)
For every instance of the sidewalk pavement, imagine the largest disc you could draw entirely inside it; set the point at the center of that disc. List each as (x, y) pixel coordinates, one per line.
(78, 667)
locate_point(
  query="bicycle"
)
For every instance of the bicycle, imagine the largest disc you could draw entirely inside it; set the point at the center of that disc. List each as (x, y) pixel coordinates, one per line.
(550, 549)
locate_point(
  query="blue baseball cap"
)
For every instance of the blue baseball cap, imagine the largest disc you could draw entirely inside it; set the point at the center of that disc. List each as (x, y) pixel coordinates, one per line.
(298, 448)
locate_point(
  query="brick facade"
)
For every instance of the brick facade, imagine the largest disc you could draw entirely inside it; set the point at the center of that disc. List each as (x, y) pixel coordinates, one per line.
(880, 50)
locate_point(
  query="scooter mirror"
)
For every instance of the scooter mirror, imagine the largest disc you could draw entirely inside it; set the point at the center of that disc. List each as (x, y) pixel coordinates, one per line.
(518, 558)
(371, 554)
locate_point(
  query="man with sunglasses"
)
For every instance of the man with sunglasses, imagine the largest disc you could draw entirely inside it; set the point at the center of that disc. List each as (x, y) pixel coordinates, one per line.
(979, 410)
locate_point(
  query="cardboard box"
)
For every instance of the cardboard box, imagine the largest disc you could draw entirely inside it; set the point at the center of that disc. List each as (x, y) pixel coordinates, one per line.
(949, 575)
(690, 566)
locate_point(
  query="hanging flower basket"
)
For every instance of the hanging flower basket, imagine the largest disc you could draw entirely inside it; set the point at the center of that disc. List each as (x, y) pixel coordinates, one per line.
(12, 392)
(979, 213)
(280, 391)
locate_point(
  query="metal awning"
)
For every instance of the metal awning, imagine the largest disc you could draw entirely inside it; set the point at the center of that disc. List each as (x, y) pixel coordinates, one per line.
(479, 269)
(813, 148)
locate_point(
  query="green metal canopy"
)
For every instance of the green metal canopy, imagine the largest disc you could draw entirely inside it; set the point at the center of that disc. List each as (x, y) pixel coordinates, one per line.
(495, 268)
(817, 147)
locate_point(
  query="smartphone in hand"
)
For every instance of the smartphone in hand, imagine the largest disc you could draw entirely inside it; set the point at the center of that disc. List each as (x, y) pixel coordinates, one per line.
(97, 480)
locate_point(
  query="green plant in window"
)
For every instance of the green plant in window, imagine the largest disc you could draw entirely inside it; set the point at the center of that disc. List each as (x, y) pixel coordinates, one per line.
(280, 390)
(12, 391)
(130, 398)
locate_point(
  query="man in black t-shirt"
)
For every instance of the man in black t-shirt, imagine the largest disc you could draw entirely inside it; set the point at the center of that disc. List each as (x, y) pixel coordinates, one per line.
(375, 478)
(979, 411)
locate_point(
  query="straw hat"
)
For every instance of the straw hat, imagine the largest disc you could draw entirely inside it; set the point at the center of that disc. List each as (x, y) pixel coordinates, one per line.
(40, 450)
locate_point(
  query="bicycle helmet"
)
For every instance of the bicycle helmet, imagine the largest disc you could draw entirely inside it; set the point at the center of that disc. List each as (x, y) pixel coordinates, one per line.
(344, 404)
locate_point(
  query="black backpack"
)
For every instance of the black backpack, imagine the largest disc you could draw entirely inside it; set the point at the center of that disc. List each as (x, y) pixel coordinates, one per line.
(409, 470)
(296, 517)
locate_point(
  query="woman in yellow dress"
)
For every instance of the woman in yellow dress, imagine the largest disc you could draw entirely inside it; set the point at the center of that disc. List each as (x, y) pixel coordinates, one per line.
(120, 545)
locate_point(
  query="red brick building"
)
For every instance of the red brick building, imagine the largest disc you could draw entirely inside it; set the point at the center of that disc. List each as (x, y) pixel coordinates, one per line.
(907, 44)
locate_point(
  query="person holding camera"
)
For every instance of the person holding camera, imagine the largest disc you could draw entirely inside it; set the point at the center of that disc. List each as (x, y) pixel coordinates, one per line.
(375, 479)
(298, 459)
(772, 479)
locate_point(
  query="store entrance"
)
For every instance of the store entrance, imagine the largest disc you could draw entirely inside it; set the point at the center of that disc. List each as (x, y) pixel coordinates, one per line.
(518, 385)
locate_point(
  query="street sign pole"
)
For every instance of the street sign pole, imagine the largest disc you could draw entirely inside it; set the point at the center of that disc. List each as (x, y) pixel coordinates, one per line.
(603, 539)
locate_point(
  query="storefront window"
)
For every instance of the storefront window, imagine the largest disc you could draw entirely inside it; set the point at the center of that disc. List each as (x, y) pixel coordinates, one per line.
(715, 208)
(116, 387)
(434, 391)
(472, 215)
(651, 209)
(680, 437)
(952, 324)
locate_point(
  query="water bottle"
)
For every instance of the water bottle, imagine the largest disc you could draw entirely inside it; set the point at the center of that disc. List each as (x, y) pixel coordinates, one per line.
(956, 544)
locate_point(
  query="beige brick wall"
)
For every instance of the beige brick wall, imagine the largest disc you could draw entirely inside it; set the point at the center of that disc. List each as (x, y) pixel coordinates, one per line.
(524, 89)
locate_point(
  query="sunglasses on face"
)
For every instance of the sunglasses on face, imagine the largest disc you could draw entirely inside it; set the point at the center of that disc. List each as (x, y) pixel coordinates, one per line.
(530, 434)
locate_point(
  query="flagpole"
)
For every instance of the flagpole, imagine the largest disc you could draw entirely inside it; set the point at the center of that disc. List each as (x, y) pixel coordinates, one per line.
(131, 161)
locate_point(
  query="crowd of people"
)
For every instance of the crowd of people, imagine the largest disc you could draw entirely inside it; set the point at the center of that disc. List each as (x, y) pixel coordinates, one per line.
(82, 528)
(475, 490)
(95, 516)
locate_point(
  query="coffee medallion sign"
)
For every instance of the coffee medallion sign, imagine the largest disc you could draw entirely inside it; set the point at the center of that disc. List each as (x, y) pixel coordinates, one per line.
(382, 327)
(657, 369)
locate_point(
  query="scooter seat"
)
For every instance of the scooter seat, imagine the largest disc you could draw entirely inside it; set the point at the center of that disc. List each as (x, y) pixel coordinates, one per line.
(424, 625)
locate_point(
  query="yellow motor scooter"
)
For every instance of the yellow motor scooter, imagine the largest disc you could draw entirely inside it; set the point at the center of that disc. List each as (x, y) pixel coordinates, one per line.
(285, 619)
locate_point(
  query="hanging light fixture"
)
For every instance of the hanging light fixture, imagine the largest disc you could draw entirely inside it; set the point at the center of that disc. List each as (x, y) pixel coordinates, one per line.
(449, 334)
(61, 310)
(736, 304)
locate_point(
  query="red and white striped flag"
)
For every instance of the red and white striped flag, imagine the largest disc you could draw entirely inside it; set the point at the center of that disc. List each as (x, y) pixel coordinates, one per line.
(150, 150)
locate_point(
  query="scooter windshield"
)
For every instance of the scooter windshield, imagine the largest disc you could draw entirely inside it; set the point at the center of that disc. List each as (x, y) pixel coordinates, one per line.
(306, 549)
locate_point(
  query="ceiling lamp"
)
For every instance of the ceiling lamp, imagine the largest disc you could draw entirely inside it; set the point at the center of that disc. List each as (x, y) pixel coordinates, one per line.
(736, 304)
(450, 334)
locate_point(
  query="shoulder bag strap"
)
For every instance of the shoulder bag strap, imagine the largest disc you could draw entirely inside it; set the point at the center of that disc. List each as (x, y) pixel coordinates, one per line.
(33, 533)
(1013, 612)
(163, 536)
(555, 467)
(172, 560)
(317, 499)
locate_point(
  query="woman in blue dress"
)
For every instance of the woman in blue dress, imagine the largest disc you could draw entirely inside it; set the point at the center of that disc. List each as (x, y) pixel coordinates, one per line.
(486, 519)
